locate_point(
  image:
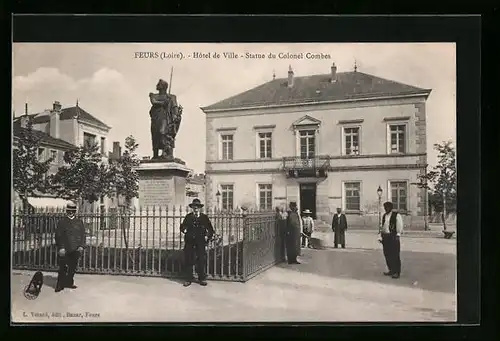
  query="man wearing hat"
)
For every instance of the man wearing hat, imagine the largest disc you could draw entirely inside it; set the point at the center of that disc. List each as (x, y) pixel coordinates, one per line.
(70, 241)
(339, 226)
(392, 227)
(198, 231)
(292, 238)
(307, 227)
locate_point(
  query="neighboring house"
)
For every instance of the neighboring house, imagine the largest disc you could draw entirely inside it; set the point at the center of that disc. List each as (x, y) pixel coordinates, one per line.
(195, 188)
(72, 126)
(324, 141)
(50, 147)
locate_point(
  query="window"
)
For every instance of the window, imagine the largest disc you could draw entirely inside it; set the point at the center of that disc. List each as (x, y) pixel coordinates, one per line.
(265, 140)
(352, 196)
(399, 195)
(397, 138)
(41, 154)
(53, 155)
(351, 139)
(265, 197)
(227, 193)
(307, 143)
(227, 147)
(89, 140)
(103, 145)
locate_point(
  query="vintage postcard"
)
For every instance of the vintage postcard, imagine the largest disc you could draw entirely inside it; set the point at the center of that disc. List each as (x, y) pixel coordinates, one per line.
(217, 182)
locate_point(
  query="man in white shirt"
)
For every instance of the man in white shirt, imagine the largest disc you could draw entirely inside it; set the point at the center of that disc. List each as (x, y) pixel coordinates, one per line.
(391, 229)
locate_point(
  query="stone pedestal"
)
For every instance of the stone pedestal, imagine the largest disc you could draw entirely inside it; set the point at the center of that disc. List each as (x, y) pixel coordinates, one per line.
(162, 184)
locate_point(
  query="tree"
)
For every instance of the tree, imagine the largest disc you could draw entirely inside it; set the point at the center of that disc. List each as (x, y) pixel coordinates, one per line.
(29, 173)
(126, 179)
(442, 180)
(84, 177)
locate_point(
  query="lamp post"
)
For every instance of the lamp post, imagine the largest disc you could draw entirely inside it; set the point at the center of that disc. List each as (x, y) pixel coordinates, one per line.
(379, 193)
(218, 199)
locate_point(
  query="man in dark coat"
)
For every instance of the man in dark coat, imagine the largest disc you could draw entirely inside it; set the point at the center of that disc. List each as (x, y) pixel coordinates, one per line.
(293, 234)
(198, 231)
(70, 241)
(339, 226)
(392, 227)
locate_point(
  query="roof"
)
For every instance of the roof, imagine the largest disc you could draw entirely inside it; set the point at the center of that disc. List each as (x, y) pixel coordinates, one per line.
(44, 138)
(196, 179)
(68, 114)
(317, 89)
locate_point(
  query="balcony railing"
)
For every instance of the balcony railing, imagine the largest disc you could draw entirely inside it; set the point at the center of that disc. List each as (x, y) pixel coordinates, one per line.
(300, 167)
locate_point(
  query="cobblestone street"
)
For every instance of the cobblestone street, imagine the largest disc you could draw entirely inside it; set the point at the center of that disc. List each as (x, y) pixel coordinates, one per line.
(330, 285)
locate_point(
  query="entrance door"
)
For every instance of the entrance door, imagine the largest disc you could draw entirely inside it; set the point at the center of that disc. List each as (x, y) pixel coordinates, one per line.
(308, 198)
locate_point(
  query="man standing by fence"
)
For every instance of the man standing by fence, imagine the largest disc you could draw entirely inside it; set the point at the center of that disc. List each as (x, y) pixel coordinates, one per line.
(198, 231)
(70, 241)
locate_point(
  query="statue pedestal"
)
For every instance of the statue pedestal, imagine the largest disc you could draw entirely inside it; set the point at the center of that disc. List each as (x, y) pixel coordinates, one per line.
(162, 183)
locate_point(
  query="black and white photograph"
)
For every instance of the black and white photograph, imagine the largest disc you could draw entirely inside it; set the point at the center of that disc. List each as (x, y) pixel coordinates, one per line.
(233, 182)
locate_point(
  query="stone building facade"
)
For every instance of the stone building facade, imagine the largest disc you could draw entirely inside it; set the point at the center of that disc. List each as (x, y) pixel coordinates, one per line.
(323, 141)
(61, 129)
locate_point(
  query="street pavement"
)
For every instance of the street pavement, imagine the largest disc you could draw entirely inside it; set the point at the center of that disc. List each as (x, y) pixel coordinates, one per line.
(331, 285)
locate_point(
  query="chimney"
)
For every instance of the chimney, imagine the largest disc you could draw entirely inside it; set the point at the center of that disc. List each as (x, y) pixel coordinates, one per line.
(24, 121)
(55, 120)
(334, 73)
(117, 153)
(56, 106)
(290, 76)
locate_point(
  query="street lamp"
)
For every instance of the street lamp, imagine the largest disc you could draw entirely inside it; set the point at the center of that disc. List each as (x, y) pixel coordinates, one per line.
(379, 193)
(218, 199)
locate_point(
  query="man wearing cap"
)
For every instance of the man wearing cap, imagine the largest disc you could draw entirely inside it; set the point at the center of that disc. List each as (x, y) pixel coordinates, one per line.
(392, 227)
(70, 241)
(339, 226)
(292, 238)
(198, 231)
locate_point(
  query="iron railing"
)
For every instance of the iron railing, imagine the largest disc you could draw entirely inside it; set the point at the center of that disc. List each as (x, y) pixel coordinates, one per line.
(297, 162)
(148, 242)
(299, 166)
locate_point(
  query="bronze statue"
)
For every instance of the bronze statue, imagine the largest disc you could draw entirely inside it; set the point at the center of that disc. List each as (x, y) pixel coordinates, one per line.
(166, 117)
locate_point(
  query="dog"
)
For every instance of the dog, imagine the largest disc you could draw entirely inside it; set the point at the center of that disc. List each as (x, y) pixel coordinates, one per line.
(33, 289)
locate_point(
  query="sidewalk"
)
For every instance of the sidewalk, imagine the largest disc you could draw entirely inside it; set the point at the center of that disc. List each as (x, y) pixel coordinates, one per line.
(329, 286)
(436, 231)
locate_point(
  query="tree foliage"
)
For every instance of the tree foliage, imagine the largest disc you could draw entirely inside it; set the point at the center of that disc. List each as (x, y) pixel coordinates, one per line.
(442, 181)
(436, 202)
(84, 176)
(126, 179)
(29, 173)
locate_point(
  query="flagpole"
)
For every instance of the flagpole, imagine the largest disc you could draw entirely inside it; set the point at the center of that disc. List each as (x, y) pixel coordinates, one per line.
(170, 85)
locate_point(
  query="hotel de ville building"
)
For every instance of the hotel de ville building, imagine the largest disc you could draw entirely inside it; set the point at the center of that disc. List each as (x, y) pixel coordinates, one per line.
(338, 139)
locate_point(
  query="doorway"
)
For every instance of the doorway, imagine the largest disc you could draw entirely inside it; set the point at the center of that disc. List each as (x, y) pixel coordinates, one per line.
(308, 198)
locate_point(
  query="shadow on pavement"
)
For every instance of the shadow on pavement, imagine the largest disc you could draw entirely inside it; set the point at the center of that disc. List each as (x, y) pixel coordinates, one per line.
(50, 280)
(425, 270)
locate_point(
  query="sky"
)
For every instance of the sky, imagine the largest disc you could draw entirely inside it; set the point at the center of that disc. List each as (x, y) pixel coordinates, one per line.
(112, 83)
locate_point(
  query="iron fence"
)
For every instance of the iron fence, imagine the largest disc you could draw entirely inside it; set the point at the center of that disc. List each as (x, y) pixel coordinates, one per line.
(148, 242)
